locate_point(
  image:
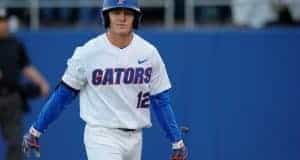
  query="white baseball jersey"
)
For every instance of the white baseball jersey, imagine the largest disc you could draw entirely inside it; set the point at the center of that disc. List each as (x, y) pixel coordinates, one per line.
(115, 84)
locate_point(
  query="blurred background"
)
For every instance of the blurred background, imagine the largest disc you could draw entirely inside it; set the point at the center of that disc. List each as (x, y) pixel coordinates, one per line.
(85, 14)
(234, 66)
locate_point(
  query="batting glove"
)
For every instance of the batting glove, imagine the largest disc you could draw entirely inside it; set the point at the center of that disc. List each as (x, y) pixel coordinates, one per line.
(30, 142)
(180, 152)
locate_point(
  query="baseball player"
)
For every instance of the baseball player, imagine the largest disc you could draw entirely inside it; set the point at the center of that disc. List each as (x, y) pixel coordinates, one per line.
(117, 76)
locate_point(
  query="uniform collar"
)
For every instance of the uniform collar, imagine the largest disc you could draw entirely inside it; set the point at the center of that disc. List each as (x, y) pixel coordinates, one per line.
(115, 48)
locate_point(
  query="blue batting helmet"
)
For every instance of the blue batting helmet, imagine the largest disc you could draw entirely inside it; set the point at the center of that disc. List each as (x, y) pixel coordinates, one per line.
(109, 5)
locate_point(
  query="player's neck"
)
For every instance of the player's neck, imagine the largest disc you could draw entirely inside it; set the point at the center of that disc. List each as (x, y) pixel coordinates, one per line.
(120, 41)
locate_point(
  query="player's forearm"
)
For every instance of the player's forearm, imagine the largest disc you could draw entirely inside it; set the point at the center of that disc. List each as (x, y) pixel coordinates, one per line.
(34, 75)
(62, 96)
(165, 115)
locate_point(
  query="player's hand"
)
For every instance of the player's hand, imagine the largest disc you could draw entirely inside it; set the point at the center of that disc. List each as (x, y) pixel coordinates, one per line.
(180, 152)
(31, 143)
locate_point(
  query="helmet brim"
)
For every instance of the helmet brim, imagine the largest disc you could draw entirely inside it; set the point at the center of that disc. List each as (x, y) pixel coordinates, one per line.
(132, 8)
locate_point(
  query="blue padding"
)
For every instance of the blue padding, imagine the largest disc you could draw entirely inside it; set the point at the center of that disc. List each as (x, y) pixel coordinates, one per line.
(60, 98)
(165, 115)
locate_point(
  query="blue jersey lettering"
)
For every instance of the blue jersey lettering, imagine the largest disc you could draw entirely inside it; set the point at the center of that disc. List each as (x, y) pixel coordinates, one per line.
(116, 76)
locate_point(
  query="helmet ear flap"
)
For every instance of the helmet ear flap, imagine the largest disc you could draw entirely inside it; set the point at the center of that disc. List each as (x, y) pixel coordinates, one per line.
(137, 20)
(105, 19)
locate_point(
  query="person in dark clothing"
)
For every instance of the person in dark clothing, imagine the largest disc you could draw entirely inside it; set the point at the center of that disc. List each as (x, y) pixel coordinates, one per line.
(13, 64)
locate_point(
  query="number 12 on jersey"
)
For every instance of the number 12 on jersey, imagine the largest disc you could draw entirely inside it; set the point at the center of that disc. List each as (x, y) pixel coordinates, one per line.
(143, 100)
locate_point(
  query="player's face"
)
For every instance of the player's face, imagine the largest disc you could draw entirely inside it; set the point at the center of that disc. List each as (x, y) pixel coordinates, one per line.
(3, 28)
(121, 21)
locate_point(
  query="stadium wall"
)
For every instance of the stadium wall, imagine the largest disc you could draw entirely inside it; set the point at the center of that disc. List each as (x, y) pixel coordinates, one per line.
(237, 90)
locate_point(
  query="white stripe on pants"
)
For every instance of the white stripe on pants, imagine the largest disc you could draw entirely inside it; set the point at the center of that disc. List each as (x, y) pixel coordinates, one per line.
(112, 144)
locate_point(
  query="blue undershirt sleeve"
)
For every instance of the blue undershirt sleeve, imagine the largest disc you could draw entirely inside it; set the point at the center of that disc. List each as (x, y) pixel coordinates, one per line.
(57, 102)
(161, 105)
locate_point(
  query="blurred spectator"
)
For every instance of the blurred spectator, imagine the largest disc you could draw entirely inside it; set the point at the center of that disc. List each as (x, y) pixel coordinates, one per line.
(288, 12)
(58, 15)
(13, 24)
(213, 14)
(14, 63)
(85, 14)
(253, 13)
(47, 15)
(20, 15)
(295, 10)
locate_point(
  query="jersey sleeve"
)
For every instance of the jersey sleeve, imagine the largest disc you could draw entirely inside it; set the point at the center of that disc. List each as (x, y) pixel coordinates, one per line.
(75, 74)
(159, 80)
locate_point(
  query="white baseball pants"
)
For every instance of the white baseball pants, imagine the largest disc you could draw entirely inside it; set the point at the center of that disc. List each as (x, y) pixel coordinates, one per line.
(112, 144)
